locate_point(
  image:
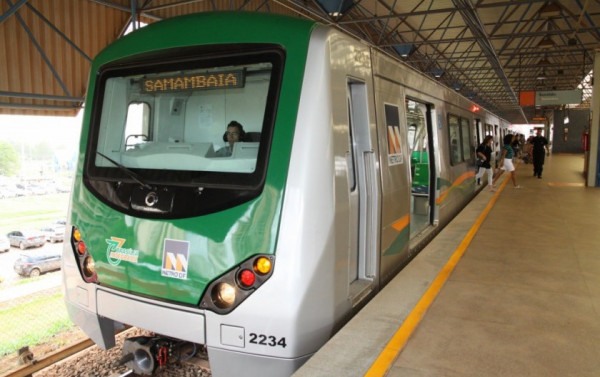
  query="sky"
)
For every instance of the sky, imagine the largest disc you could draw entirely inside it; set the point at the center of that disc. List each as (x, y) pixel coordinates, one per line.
(37, 129)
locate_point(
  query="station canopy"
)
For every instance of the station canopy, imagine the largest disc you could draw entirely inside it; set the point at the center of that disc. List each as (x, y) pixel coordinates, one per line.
(495, 52)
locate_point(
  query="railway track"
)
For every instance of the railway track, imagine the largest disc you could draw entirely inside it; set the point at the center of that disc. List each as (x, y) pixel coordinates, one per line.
(85, 359)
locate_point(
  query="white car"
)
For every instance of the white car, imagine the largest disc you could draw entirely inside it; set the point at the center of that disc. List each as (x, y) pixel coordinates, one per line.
(54, 233)
(4, 243)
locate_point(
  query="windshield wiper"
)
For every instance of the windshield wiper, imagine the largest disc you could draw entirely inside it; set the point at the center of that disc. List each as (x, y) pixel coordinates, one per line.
(127, 171)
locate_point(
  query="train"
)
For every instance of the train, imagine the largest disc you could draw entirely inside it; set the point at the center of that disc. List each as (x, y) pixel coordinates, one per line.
(348, 163)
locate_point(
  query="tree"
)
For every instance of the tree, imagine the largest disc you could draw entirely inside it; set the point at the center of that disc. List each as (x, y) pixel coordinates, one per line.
(9, 160)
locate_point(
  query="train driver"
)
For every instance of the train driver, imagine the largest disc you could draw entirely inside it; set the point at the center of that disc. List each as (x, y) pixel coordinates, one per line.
(235, 132)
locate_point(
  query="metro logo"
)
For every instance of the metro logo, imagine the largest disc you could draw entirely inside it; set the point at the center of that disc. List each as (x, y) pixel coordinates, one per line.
(175, 262)
(175, 259)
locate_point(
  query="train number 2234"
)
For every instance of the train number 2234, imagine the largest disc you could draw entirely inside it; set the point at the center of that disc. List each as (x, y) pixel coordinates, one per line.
(267, 340)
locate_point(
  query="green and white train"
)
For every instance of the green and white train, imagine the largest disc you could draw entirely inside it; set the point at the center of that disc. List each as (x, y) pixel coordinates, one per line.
(351, 163)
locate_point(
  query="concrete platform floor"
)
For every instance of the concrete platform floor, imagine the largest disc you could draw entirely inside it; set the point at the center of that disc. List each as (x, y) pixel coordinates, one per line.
(523, 299)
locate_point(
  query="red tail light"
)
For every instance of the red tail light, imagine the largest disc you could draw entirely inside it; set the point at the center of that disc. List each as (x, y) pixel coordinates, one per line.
(246, 278)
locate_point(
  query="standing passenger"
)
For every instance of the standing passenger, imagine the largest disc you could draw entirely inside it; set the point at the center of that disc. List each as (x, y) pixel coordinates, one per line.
(484, 153)
(506, 160)
(540, 148)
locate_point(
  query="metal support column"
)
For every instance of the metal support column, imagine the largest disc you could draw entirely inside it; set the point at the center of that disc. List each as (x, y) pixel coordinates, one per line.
(593, 177)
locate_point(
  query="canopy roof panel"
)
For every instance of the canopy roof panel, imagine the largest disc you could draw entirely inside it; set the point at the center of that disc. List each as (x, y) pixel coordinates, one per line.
(488, 50)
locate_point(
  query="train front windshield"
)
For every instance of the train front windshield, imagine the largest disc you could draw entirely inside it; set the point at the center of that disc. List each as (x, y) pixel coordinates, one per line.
(163, 123)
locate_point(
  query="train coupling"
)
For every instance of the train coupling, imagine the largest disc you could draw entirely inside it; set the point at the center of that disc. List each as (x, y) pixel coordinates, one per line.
(144, 354)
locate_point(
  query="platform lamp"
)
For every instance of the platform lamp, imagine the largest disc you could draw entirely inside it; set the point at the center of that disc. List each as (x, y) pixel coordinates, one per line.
(437, 72)
(335, 8)
(544, 62)
(542, 75)
(404, 49)
(546, 42)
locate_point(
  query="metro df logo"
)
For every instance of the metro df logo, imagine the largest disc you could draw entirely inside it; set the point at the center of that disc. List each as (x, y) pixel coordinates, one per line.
(175, 259)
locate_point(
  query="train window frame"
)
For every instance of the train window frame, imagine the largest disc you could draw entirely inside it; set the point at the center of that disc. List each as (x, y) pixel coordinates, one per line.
(467, 147)
(454, 149)
(459, 139)
(115, 185)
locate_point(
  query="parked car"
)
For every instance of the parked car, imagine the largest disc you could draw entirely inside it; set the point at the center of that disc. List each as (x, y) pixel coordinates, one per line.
(38, 189)
(54, 233)
(7, 192)
(4, 243)
(25, 239)
(37, 264)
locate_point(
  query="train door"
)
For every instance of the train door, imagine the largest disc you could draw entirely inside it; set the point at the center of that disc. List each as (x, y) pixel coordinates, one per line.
(418, 118)
(362, 185)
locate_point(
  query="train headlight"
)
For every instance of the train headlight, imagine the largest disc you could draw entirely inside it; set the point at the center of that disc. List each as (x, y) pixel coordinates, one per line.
(230, 289)
(89, 267)
(223, 295)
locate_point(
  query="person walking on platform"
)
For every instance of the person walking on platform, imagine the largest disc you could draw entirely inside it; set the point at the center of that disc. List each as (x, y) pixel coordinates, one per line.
(540, 149)
(484, 154)
(506, 161)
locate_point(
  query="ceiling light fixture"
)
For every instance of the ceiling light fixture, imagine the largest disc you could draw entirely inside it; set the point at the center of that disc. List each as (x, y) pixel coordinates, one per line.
(542, 75)
(544, 61)
(336, 8)
(546, 42)
(404, 49)
(551, 9)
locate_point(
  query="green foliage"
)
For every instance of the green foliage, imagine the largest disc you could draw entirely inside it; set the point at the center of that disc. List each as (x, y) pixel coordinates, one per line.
(43, 316)
(32, 212)
(9, 160)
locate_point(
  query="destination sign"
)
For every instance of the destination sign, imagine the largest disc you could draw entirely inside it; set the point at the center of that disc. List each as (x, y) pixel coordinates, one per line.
(197, 81)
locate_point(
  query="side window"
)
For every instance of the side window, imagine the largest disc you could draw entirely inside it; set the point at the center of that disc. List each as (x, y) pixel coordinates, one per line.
(454, 139)
(412, 133)
(137, 126)
(488, 130)
(466, 139)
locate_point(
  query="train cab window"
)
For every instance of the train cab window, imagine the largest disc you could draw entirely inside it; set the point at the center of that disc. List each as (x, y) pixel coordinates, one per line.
(161, 119)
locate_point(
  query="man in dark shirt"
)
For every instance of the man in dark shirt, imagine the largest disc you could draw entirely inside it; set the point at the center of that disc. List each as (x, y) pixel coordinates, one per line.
(540, 148)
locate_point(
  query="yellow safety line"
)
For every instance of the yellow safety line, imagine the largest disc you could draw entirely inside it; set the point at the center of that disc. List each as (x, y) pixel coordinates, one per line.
(565, 184)
(384, 361)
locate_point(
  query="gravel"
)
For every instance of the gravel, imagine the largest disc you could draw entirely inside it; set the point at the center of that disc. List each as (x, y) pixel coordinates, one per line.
(95, 362)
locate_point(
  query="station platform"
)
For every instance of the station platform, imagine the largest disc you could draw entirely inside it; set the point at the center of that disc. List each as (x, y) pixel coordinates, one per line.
(511, 287)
